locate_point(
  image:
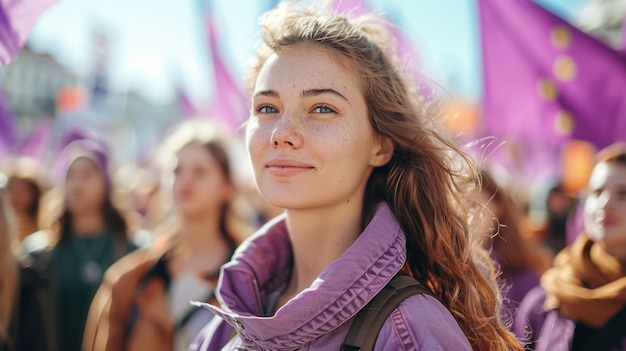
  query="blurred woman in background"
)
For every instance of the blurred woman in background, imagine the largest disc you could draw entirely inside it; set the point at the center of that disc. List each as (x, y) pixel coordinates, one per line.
(26, 186)
(144, 303)
(581, 303)
(521, 259)
(90, 233)
(21, 326)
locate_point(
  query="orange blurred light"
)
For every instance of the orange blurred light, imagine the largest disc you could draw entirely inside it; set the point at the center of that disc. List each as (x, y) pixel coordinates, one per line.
(71, 99)
(577, 163)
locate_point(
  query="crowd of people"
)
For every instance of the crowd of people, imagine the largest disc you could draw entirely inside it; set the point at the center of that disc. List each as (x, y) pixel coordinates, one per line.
(356, 191)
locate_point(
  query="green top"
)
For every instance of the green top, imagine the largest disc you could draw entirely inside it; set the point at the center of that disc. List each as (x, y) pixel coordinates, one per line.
(81, 262)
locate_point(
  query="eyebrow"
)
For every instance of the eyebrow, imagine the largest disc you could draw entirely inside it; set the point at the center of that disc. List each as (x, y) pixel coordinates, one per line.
(316, 92)
(270, 93)
(304, 93)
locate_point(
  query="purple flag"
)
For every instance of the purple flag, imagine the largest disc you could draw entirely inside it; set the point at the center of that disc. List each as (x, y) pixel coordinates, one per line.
(38, 141)
(8, 127)
(545, 81)
(229, 105)
(17, 18)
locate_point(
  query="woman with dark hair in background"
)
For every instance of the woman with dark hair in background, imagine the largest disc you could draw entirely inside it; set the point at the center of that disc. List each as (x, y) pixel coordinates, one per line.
(25, 197)
(21, 325)
(91, 234)
(144, 302)
(25, 187)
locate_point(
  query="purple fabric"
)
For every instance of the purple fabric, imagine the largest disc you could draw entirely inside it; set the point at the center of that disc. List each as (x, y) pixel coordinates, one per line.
(229, 106)
(547, 330)
(90, 149)
(319, 317)
(38, 141)
(524, 45)
(17, 18)
(515, 287)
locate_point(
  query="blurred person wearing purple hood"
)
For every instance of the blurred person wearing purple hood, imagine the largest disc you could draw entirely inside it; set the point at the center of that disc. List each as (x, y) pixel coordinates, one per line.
(89, 235)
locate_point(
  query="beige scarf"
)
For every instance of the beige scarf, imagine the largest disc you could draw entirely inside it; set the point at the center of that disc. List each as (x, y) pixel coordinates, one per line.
(586, 284)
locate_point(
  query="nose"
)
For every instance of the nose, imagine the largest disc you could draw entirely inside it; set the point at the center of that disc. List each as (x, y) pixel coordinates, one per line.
(286, 132)
(605, 200)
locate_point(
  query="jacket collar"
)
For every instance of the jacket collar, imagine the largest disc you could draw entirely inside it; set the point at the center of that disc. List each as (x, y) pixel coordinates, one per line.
(263, 264)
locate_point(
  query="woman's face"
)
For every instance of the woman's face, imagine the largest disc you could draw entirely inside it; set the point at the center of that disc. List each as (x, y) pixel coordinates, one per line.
(309, 136)
(200, 186)
(605, 208)
(85, 187)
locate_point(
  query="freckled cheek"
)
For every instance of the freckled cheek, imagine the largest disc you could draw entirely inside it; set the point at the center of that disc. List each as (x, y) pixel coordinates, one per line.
(257, 141)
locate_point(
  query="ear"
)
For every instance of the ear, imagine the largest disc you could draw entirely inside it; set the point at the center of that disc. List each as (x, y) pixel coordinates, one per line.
(382, 152)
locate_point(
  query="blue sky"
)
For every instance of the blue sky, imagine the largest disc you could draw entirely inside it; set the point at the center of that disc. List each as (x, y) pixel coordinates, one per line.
(157, 42)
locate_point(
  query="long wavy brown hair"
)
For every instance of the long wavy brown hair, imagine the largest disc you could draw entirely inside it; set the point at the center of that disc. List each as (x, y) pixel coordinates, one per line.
(424, 182)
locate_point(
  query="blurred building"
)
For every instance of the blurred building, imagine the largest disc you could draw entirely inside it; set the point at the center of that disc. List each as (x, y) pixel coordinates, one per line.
(37, 86)
(31, 84)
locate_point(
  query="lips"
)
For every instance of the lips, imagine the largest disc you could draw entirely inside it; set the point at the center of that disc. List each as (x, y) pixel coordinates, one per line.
(286, 168)
(608, 222)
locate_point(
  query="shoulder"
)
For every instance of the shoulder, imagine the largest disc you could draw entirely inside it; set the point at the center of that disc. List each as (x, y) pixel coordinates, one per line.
(530, 314)
(214, 336)
(131, 267)
(421, 322)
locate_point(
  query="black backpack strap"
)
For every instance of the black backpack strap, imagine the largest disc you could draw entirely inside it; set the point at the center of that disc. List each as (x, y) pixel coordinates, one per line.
(370, 319)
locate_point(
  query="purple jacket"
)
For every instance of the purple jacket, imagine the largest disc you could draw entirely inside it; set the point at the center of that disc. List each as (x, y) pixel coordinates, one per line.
(319, 317)
(514, 288)
(547, 330)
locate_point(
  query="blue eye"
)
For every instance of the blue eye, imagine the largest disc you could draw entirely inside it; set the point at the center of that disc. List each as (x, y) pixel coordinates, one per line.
(267, 109)
(323, 109)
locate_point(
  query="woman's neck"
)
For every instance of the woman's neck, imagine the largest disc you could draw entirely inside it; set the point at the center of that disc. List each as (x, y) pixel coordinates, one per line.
(318, 238)
(200, 233)
(200, 247)
(88, 224)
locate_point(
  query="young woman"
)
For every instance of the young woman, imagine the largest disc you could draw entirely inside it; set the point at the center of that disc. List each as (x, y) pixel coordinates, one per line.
(25, 197)
(340, 141)
(21, 327)
(581, 303)
(9, 282)
(92, 234)
(144, 303)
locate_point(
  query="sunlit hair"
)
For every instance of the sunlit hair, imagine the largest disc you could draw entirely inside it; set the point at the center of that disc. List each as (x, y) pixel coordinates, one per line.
(614, 153)
(216, 142)
(506, 241)
(425, 180)
(9, 281)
